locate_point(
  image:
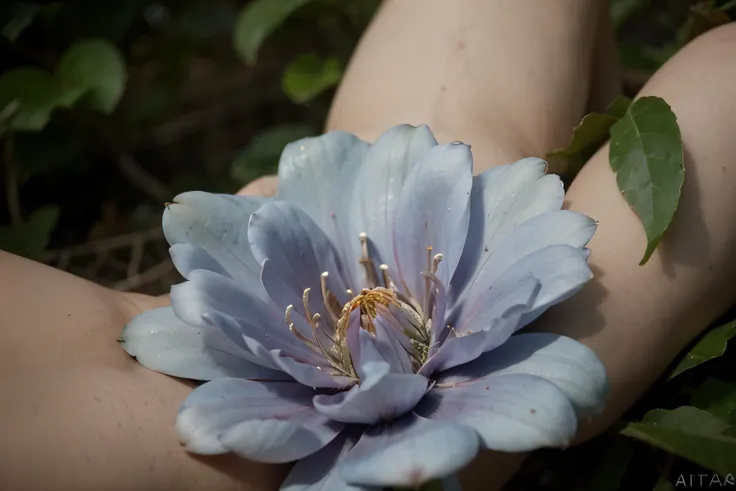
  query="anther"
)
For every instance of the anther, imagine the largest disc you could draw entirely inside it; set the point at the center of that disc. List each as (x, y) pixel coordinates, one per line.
(305, 301)
(429, 258)
(295, 331)
(366, 261)
(330, 301)
(436, 260)
(386, 279)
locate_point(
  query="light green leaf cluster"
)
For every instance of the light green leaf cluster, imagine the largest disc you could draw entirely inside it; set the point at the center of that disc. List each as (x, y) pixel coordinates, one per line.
(91, 70)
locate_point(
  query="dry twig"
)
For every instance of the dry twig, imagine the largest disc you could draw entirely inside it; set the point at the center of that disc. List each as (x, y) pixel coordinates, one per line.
(99, 246)
(149, 276)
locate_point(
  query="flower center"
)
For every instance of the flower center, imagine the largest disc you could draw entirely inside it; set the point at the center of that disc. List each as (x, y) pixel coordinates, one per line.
(377, 307)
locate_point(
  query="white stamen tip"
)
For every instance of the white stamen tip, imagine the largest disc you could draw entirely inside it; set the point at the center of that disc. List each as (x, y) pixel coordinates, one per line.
(325, 274)
(384, 267)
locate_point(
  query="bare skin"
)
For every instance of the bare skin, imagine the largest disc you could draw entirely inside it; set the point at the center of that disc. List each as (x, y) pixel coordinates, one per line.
(80, 414)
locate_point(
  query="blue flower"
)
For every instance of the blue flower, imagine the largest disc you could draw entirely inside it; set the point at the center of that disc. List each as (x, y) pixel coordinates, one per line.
(363, 321)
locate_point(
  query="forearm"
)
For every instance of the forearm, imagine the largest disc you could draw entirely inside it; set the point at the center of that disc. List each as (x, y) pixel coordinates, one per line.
(78, 412)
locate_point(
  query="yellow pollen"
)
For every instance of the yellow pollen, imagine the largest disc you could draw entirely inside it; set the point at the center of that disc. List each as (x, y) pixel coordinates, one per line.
(367, 301)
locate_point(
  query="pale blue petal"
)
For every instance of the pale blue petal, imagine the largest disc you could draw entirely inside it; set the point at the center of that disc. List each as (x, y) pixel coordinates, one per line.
(561, 227)
(432, 215)
(378, 187)
(216, 223)
(366, 358)
(435, 311)
(494, 323)
(570, 365)
(491, 304)
(299, 252)
(237, 312)
(162, 342)
(189, 257)
(317, 175)
(381, 395)
(409, 453)
(511, 413)
(502, 198)
(389, 344)
(561, 270)
(311, 375)
(319, 471)
(261, 421)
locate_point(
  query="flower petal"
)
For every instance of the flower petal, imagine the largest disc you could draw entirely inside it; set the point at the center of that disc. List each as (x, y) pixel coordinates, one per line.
(381, 395)
(432, 215)
(562, 227)
(511, 413)
(262, 421)
(316, 174)
(378, 187)
(409, 452)
(162, 342)
(496, 320)
(319, 471)
(214, 222)
(389, 344)
(570, 365)
(190, 257)
(211, 299)
(299, 252)
(305, 373)
(561, 270)
(502, 198)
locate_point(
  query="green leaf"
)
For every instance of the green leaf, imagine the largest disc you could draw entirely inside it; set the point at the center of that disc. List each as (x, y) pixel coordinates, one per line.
(97, 67)
(647, 156)
(38, 93)
(6, 114)
(30, 238)
(663, 484)
(689, 433)
(622, 10)
(718, 398)
(712, 345)
(590, 135)
(685, 418)
(257, 20)
(16, 17)
(262, 155)
(618, 106)
(310, 75)
(727, 6)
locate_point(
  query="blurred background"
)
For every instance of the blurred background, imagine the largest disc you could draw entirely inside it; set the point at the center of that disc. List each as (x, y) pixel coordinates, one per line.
(109, 109)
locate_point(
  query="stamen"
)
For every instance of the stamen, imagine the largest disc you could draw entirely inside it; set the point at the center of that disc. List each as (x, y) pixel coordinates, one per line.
(301, 337)
(366, 261)
(436, 260)
(350, 292)
(366, 322)
(305, 301)
(330, 301)
(429, 258)
(386, 279)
